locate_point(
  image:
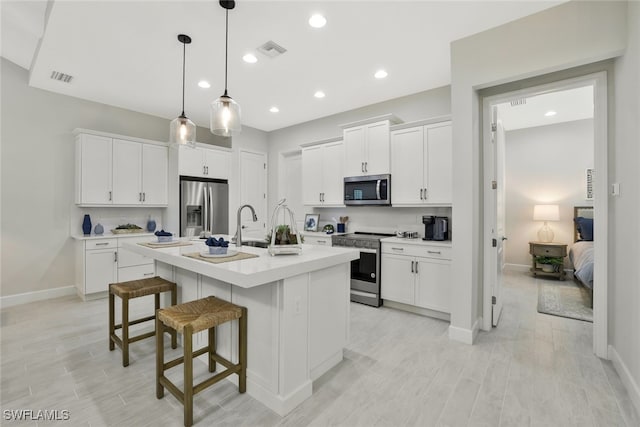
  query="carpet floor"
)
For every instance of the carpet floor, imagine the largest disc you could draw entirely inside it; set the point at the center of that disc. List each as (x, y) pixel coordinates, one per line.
(564, 299)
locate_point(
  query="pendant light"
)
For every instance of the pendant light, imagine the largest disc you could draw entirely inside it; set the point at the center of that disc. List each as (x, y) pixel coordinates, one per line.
(182, 130)
(225, 112)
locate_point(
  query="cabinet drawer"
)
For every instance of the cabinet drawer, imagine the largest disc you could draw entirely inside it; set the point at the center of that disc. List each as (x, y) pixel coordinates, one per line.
(548, 251)
(127, 258)
(101, 244)
(136, 272)
(438, 252)
(322, 241)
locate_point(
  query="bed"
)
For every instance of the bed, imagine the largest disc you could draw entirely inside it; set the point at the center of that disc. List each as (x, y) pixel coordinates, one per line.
(581, 253)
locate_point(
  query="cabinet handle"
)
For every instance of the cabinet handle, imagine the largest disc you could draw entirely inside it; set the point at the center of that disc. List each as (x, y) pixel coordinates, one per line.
(362, 167)
(425, 194)
(421, 190)
(321, 242)
(434, 252)
(148, 274)
(412, 266)
(115, 257)
(397, 249)
(102, 244)
(322, 196)
(109, 195)
(319, 197)
(416, 267)
(144, 197)
(366, 166)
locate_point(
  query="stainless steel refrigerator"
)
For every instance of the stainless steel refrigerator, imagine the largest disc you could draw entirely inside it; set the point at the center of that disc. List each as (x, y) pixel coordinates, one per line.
(204, 206)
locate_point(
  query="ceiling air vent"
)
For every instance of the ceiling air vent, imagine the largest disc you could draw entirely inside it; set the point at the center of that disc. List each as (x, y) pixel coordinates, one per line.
(520, 101)
(66, 78)
(271, 49)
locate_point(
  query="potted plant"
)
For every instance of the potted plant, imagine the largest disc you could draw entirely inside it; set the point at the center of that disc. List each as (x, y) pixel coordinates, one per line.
(549, 264)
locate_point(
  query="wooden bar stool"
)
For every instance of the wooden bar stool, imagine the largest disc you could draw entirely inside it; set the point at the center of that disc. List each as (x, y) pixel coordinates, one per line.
(188, 319)
(136, 289)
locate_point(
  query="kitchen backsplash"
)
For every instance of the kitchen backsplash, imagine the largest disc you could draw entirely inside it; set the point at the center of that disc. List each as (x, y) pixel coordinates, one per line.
(377, 219)
(112, 217)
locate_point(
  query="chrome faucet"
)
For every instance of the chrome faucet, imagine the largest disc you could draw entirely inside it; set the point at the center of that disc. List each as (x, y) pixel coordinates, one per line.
(238, 236)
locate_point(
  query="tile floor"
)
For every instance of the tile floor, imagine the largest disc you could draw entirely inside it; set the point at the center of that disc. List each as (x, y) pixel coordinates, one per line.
(399, 369)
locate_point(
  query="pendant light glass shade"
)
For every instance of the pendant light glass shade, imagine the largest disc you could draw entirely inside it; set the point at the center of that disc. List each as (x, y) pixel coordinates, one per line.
(224, 119)
(182, 131)
(225, 116)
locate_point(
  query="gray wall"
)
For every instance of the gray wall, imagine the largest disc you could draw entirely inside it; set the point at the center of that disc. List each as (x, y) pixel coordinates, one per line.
(422, 105)
(37, 176)
(544, 165)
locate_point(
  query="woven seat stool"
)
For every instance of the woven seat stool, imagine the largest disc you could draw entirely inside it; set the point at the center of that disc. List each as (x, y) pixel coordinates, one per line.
(130, 290)
(188, 319)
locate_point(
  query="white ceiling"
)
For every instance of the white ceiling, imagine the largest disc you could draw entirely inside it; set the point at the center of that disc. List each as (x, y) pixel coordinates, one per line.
(126, 53)
(569, 105)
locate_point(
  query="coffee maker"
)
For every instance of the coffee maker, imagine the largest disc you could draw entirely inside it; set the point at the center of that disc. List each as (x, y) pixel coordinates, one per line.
(435, 227)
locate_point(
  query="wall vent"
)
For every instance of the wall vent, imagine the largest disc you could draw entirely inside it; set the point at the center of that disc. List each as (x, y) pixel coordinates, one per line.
(520, 101)
(57, 75)
(271, 49)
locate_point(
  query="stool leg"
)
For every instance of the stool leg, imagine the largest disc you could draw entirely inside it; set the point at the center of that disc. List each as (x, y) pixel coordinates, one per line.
(188, 376)
(212, 349)
(242, 344)
(159, 357)
(112, 328)
(174, 301)
(125, 331)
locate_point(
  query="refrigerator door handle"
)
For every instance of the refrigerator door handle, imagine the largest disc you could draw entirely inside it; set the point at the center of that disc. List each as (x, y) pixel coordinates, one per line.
(211, 207)
(205, 202)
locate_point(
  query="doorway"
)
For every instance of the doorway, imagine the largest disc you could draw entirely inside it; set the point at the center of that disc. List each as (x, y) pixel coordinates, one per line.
(253, 191)
(493, 186)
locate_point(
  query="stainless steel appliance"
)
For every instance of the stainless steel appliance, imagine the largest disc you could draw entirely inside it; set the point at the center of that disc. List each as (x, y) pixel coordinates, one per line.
(365, 271)
(367, 190)
(435, 227)
(204, 206)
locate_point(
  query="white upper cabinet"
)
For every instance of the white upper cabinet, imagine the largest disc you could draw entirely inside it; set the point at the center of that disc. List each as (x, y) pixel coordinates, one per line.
(120, 172)
(322, 174)
(204, 162)
(93, 170)
(367, 149)
(421, 164)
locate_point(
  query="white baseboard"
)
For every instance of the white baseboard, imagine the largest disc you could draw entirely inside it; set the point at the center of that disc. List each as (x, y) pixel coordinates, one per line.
(626, 377)
(11, 300)
(466, 336)
(417, 310)
(517, 267)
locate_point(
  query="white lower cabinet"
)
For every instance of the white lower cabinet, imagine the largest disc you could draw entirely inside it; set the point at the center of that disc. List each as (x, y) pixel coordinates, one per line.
(320, 239)
(104, 261)
(417, 275)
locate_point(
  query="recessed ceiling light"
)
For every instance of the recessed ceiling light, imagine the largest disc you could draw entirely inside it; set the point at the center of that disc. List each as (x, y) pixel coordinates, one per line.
(319, 94)
(204, 84)
(550, 113)
(250, 58)
(317, 21)
(380, 74)
(274, 109)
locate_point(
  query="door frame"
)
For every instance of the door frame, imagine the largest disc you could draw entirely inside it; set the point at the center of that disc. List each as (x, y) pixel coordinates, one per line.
(600, 204)
(265, 178)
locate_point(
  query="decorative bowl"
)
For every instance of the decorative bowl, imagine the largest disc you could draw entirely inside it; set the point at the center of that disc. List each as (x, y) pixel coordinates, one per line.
(218, 250)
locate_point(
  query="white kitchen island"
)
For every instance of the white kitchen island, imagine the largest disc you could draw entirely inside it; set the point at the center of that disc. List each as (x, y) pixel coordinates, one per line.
(298, 312)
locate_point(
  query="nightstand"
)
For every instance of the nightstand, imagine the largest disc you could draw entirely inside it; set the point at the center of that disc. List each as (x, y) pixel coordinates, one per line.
(552, 250)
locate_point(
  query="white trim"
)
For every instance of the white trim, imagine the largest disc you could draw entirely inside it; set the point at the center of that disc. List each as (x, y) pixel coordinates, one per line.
(417, 310)
(423, 122)
(320, 142)
(27, 297)
(599, 82)
(323, 367)
(517, 267)
(466, 336)
(625, 376)
(392, 118)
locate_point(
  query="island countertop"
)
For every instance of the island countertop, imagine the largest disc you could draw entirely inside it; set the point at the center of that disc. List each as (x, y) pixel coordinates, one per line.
(251, 272)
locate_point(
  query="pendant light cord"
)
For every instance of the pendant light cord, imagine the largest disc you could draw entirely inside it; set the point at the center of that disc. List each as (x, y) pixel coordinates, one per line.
(184, 52)
(226, 50)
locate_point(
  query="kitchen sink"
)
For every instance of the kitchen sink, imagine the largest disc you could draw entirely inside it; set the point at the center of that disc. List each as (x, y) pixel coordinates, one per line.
(256, 243)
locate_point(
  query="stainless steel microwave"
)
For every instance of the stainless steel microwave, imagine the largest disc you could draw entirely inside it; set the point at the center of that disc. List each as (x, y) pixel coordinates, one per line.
(367, 190)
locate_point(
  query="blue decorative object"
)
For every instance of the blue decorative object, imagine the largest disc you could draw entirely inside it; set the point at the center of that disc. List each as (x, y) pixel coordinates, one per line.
(86, 225)
(151, 225)
(99, 229)
(340, 227)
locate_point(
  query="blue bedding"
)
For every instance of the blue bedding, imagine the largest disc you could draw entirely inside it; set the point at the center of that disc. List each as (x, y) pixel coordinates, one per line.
(581, 256)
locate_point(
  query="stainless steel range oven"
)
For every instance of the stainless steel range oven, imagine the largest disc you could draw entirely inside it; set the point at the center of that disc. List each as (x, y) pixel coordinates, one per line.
(365, 271)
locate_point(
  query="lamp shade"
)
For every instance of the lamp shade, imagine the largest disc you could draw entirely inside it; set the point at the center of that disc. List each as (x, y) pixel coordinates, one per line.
(182, 131)
(546, 213)
(225, 117)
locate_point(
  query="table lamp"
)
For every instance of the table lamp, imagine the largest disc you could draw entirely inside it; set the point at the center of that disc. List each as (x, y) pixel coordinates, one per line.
(546, 213)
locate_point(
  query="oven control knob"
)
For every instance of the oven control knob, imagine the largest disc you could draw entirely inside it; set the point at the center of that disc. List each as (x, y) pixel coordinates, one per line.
(373, 275)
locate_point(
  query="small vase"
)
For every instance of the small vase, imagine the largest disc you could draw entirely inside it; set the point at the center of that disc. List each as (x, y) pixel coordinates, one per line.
(99, 229)
(151, 225)
(86, 225)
